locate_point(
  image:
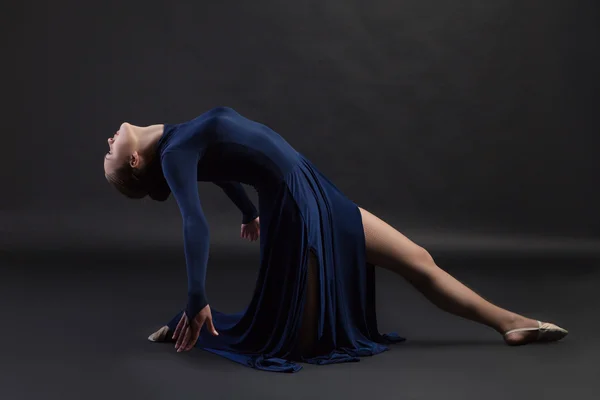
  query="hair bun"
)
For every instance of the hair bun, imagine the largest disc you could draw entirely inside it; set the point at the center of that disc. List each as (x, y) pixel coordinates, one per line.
(155, 182)
(160, 192)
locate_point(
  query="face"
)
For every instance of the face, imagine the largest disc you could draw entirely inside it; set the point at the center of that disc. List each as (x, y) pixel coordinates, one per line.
(122, 148)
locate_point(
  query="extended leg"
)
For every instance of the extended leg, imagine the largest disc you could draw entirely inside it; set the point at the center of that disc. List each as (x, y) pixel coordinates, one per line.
(388, 248)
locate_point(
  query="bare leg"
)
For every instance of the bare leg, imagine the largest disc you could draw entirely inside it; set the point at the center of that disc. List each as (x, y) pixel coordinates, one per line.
(388, 248)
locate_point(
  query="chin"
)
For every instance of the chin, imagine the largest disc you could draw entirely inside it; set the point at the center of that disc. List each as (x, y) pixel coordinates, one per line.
(125, 127)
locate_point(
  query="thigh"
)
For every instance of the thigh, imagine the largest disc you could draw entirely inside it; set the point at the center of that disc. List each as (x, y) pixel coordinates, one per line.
(390, 249)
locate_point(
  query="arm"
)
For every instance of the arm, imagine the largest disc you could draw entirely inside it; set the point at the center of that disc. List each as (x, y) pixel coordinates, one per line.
(180, 169)
(237, 194)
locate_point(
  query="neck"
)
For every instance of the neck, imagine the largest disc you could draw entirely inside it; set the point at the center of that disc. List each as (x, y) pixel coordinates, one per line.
(148, 137)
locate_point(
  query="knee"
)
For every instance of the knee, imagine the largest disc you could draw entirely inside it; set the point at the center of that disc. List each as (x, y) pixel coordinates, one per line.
(422, 271)
(422, 257)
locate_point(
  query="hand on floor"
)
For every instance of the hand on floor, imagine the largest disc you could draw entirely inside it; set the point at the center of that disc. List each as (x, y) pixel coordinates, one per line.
(251, 230)
(186, 334)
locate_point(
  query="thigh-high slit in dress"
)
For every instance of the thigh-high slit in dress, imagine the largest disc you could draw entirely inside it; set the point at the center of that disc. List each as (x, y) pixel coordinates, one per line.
(310, 233)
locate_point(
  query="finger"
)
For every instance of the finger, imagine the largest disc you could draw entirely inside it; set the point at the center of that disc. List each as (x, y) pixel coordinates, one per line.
(191, 343)
(179, 326)
(181, 337)
(186, 339)
(194, 333)
(193, 338)
(184, 328)
(211, 327)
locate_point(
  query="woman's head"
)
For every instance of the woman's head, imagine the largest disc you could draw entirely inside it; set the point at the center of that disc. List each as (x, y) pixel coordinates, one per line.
(131, 165)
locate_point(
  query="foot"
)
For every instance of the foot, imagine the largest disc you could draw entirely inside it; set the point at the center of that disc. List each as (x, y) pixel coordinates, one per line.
(160, 335)
(525, 330)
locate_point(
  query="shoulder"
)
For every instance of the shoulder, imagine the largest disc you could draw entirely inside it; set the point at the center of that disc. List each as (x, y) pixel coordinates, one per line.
(218, 114)
(175, 158)
(178, 153)
(213, 113)
(205, 123)
(220, 110)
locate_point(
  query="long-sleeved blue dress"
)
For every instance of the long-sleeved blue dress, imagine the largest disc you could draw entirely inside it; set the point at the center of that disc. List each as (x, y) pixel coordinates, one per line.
(300, 210)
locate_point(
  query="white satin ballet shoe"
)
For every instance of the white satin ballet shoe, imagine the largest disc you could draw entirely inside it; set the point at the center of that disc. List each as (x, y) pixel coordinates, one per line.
(160, 335)
(546, 332)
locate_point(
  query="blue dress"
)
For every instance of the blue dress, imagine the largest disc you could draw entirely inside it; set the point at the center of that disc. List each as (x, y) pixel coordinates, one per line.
(300, 210)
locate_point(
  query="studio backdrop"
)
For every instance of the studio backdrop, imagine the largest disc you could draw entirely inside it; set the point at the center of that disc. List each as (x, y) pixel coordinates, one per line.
(466, 125)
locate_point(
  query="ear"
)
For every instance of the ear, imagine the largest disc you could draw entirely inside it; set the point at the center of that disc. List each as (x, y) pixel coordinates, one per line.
(134, 160)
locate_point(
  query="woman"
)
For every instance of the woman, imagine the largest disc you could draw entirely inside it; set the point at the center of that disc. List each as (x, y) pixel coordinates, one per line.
(314, 299)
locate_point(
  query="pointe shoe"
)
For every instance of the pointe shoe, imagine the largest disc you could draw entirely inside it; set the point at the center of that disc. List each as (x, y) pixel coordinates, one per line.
(160, 335)
(546, 332)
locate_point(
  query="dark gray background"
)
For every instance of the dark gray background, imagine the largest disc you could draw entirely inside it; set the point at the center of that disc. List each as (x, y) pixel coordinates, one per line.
(450, 120)
(471, 126)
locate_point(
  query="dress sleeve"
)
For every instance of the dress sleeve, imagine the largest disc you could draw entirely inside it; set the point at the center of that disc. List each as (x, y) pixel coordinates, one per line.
(236, 193)
(180, 171)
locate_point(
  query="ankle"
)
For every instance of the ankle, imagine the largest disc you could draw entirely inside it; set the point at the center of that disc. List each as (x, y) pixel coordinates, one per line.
(512, 321)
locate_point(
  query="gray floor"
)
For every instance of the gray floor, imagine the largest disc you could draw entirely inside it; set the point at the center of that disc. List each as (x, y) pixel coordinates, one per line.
(75, 327)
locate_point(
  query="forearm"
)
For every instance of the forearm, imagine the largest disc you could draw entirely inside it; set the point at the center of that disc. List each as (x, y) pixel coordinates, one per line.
(236, 193)
(196, 246)
(179, 169)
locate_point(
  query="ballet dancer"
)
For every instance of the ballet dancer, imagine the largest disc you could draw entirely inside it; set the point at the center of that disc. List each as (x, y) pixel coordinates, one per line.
(314, 298)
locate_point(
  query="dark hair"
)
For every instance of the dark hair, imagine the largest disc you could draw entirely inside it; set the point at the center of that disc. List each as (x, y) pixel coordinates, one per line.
(136, 184)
